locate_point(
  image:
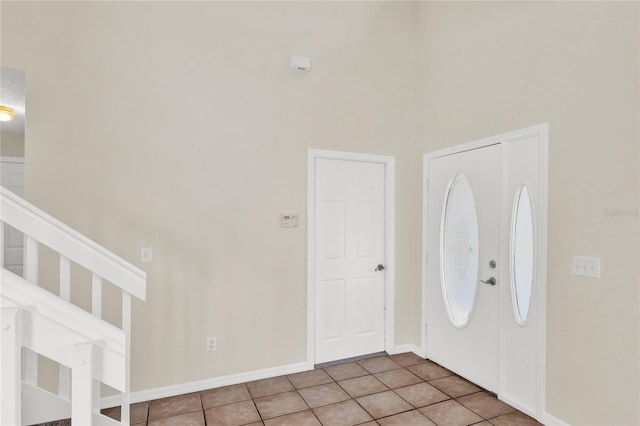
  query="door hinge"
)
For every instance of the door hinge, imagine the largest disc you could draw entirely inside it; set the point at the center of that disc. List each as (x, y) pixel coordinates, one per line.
(426, 257)
(426, 185)
(425, 329)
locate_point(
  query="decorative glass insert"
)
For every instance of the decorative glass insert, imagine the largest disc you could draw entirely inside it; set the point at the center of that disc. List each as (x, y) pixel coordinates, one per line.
(522, 254)
(459, 250)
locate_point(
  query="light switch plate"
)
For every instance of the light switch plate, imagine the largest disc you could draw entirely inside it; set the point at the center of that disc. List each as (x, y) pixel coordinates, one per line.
(146, 255)
(584, 266)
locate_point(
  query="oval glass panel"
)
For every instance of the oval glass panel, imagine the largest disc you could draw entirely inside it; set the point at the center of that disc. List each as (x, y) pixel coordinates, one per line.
(522, 254)
(459, 250)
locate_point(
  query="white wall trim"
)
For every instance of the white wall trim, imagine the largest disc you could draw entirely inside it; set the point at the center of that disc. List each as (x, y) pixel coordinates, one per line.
(200, 385)
(410, 347)
(389, 240)
(550, 420)
(542, 131)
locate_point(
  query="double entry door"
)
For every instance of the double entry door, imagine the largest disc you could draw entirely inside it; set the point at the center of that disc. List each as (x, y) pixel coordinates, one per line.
(485, 246)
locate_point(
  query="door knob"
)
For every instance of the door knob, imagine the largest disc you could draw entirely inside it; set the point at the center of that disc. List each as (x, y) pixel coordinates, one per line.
(380, 267)
(490, 281)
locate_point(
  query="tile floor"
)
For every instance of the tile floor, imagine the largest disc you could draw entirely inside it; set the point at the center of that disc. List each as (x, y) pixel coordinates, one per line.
(387, 390)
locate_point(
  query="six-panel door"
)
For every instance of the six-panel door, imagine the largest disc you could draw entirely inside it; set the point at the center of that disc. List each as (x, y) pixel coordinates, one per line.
(349, 244)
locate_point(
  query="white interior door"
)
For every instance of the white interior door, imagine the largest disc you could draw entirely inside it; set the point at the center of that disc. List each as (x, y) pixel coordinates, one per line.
(12, 178)
(349, 246)
(463, 247)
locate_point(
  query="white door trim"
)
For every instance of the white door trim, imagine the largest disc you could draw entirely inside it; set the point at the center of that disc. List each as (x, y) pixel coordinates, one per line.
(389, 163)
(542, 132)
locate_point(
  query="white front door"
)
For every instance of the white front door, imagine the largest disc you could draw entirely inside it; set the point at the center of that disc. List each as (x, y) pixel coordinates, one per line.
(463, 247)
(349, 245)
(12, 178)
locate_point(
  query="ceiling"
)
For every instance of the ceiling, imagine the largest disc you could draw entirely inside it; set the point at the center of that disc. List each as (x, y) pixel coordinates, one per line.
(12, 94)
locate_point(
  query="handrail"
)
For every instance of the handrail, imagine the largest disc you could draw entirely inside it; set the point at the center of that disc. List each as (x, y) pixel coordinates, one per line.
(49, 231)
(16, 290)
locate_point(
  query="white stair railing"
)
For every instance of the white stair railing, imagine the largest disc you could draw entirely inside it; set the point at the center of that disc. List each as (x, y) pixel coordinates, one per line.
(23, 306)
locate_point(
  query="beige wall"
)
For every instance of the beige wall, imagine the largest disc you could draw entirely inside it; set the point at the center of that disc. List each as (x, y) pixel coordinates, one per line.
(11, 144)
(189, 134)
(488, 68)
(181, 127)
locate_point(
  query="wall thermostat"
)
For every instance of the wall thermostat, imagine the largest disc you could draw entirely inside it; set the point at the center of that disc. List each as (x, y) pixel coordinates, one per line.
(289, 220)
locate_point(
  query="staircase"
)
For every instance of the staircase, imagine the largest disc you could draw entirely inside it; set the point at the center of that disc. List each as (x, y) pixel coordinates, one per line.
(88, 349)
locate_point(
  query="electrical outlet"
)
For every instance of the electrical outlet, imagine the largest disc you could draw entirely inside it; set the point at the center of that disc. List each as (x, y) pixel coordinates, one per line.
(210, 344)
(586, 266)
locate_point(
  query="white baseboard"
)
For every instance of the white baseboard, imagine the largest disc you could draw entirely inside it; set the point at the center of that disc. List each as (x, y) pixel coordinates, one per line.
(200, 385)
(550, 420)
(232, 379)
(400, 349)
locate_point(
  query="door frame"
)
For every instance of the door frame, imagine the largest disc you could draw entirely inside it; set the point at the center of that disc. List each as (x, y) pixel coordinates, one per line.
(542, 132)
(389, 163)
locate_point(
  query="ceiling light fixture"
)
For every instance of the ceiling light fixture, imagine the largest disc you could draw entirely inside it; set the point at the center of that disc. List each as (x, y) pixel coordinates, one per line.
(6, 113)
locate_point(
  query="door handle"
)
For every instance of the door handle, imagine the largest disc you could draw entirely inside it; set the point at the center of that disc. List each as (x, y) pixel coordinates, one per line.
(490, 281)
(380, 267)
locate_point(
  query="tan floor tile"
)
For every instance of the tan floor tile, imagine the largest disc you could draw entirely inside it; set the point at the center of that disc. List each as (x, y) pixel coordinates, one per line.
(371, 423)
(189, 419)
(265, 387)
(307, 379)
(361, 386)
(450, 413)
(346, 371)
(239, 413)
(515, 418)
(137, 412)
(407, 359)
(421, 394)
(409, 418)
(323, 395)
(429, 371)
(383, 404)
(485, 405)
(455, 386)
(378, 364)
(342, 414)
(303, 418)
(280, 404)
(397, 378)
(168, 407)
(224, 395)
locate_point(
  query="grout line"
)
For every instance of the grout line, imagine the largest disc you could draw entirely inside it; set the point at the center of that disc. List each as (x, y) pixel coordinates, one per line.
(350, 398)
